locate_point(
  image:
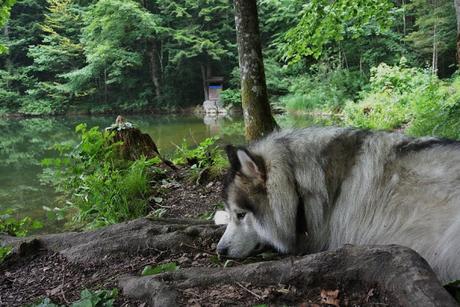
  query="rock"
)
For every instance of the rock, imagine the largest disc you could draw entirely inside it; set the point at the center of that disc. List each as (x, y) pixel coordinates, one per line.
(214, 107)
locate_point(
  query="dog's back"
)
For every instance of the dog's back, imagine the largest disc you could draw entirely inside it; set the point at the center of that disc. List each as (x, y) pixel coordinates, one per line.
(374, 188)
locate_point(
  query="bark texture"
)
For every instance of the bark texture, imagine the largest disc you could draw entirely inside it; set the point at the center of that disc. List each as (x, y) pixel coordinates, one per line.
(124, 239)
(258, 117)
(155, 69)
(457, 13)
(399, 271)
(136, 144)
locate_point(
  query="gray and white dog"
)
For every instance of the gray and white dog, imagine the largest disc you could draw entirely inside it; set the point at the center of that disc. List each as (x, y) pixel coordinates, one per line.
(316, 189)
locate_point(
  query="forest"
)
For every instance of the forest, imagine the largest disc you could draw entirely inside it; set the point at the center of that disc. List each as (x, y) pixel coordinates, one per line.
(377, 64)
(97, 213)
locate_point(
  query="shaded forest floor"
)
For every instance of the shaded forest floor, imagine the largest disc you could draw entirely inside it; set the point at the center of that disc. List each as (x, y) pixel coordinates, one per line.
(48, 274)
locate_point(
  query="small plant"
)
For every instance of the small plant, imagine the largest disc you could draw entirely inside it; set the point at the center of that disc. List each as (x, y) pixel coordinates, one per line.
(158, 213)
(88, 298)
(206, 158)
(161, 268)
(98, 298)
(209, 215)
(97, 183)
(4, 252)
(17, 227)
(454, 289)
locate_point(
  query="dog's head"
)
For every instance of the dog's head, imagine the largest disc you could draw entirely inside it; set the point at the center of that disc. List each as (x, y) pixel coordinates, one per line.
(249, 208)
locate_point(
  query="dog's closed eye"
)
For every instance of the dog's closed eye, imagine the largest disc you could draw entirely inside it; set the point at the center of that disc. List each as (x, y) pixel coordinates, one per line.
(240, 215)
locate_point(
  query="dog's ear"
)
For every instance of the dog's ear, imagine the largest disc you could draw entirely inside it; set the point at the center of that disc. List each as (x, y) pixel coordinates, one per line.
(233, 158)
(241, 161)
(249, 167)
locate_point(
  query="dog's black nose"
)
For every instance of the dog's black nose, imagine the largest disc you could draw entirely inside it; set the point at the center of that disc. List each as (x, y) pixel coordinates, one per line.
(222, 251)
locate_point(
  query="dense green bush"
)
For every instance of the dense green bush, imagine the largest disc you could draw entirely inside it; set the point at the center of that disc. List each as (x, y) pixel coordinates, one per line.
(102, 188)
(19, 227)
(206, 156)
(436, 110)
(376, 111)
(409, 98)
(322, 90)
(231, 97)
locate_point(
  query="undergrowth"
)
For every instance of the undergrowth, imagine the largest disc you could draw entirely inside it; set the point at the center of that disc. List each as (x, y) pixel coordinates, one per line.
(99, 187)
(206, 160)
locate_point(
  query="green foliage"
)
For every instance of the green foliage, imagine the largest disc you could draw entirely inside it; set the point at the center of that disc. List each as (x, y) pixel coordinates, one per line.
(386, 104)
(59, 52)
(409, 98)
(46, 302)
(13, 226)
(100, 56)
(5, 7)
(88, 298)
(4, 252)
(326, 90)
(231, 97)
(377, 111)
(454, 289)
(209, 215)
(114, 55)
(435, 29)
(161, 268)
(324, 21)
(436, 110)
(98, 298)
(102, 187)
(204, 157)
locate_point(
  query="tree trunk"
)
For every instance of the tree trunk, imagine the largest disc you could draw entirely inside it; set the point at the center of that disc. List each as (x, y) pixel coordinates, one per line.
(106, 90)
(434, 62)
(258, 118)
(155, 69)
(204, 77)
(457, 13)
(8, 61)
(404, 17)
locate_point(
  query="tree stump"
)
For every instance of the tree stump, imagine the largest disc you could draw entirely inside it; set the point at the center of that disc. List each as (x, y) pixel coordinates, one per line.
(135, 144)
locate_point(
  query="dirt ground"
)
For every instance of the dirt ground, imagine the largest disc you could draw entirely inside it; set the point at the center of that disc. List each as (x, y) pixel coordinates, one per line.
(46, 274)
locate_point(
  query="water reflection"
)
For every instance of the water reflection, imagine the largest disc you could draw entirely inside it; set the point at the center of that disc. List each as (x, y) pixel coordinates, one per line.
(25, 142)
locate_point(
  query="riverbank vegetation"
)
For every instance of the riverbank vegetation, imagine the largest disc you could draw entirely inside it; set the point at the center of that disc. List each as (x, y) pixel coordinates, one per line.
(98, 187)
(69, 56)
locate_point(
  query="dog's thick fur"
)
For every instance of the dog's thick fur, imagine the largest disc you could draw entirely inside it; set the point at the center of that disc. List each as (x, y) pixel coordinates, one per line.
(319, 188)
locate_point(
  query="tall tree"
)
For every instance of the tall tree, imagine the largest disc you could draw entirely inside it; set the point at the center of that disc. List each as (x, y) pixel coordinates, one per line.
(59, 52)
(5, 7)
(435, 29)
(258, 119)
(203, 33)
(117, 39)
(457, 14)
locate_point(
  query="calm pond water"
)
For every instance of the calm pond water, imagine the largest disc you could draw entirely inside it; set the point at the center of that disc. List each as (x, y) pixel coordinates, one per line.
(25, 142)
